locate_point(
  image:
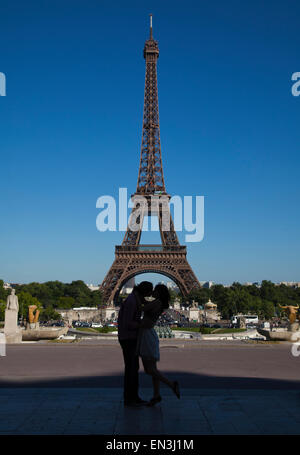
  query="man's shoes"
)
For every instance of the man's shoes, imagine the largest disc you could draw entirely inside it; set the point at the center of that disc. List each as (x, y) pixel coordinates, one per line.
(154, 401)
(132, 404)
(142, 402)
(136, 403)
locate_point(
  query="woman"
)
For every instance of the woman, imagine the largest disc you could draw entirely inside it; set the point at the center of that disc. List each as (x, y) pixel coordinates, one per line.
(148, 342)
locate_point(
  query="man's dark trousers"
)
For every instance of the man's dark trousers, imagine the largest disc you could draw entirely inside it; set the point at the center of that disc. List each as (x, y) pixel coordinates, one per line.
(131, 375)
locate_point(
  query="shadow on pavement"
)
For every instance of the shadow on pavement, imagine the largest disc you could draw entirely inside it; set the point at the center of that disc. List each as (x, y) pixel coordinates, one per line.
(186, 380)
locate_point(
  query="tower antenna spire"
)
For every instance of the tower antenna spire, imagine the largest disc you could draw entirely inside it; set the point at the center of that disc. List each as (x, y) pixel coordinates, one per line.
(151, 37)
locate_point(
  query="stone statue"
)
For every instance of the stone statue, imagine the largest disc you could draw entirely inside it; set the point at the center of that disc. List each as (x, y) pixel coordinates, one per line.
(33, 316)
(12, 332)
(12, 302)
(291, 312)
(176, 304)
(292, 333)
(241, 324)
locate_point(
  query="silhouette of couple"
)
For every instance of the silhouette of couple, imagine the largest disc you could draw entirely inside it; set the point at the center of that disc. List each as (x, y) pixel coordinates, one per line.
(138, 338)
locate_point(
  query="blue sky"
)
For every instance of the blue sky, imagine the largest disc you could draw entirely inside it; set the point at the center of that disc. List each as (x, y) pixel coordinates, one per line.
(71, 123)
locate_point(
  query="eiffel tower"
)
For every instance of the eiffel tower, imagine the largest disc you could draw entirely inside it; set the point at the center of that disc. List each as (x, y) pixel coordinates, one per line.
(132, 258)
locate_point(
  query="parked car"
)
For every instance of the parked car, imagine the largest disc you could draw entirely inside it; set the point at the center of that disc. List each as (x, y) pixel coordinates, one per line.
(76, 323)
(85, 324)
(96, 325)
(81, 324)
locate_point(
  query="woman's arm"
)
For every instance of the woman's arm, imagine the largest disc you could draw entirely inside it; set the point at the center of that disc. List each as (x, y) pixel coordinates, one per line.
(151, 313)
(155, 305)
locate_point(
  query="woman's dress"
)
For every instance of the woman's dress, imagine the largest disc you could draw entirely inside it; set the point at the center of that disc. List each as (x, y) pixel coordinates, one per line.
(148, 341)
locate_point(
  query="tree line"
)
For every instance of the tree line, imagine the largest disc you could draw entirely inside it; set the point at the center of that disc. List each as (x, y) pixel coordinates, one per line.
(50, 296)
(263, 301)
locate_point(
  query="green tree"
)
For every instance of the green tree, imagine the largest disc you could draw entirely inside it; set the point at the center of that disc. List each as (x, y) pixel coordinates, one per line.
(96, 298)
(80, 292)
(2, 309)
(200, 296)
(65, 303)
(174, 295)
(3, 292)
(269, 291)
(49, 313)
(50, 292)
(218, 293)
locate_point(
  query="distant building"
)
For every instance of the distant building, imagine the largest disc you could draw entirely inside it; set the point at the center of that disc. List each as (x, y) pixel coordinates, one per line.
(82, 308)
(210, 305)
(92, 287)
(207, 314)
(172, 286)
(88, 314)
(210, 311)
(80, 314)
(10, 285)
(247, 283)
(208, 284)
(291, 284)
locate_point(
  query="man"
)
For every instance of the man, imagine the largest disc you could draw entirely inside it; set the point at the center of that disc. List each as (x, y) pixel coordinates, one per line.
(128, 325)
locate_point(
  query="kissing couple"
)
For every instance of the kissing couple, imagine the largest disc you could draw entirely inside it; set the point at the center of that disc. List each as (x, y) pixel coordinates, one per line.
(138, 338)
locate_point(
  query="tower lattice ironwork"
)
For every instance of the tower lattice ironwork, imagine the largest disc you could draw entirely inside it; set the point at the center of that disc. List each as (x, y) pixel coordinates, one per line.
(150, 199)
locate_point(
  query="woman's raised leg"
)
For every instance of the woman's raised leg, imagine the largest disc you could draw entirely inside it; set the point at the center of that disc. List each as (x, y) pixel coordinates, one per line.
(151, 369)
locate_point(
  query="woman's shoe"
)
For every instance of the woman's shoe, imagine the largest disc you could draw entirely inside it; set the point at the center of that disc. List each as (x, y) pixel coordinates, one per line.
(154, 401)
(176, 389)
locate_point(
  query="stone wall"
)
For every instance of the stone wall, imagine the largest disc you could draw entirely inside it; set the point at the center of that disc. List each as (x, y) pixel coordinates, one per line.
(203, 315)
(211, 315)
(109, 313)
(88, 315)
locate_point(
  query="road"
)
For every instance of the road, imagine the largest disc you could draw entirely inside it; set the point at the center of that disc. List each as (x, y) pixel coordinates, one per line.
(99, 363)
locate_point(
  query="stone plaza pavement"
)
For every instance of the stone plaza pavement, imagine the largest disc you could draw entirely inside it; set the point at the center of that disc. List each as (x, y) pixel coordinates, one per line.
(84, 411)
(76, 389)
